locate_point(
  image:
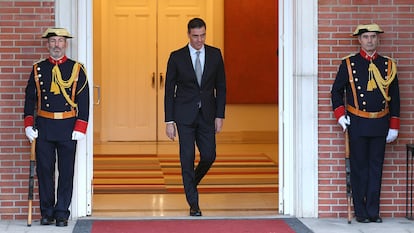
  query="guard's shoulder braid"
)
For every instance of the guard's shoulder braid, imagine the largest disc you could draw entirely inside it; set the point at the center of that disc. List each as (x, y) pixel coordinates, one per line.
(350, 55)
(392, 59)
(38, 61)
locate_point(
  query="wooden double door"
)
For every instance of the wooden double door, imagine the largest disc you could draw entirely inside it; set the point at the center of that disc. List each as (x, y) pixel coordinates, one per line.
(132, 43)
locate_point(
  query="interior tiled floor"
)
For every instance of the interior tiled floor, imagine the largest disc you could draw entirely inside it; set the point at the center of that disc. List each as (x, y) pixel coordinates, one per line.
(174, 205)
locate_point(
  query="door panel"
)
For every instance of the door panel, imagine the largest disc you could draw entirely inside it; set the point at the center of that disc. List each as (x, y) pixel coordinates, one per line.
(133, 41)
(128, 64)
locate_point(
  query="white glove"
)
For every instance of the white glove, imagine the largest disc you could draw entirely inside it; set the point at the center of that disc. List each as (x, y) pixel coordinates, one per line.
(76, 135)
(344, 121)
(392, 135)
(31, 133)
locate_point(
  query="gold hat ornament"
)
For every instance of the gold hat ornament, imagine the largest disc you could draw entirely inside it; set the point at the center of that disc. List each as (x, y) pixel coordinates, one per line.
(373, 27)
(56, 32)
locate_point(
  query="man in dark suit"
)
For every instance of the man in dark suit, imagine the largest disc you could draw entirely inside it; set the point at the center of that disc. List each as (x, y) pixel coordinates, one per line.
(58, 93)
(195, 99)
(368, 83)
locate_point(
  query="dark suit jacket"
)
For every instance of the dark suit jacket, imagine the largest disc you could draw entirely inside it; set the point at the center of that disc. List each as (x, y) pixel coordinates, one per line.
(182, 92)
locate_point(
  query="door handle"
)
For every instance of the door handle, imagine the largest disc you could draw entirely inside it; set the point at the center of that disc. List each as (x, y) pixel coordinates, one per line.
(153, 80)
(161, 80)
(98, 89)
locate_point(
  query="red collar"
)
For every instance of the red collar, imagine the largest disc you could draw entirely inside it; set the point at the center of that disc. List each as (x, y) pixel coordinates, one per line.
(368, 57)
(60, 61)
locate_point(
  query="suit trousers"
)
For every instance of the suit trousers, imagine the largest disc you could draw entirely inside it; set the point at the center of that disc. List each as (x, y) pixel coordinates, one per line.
(46, 154)
(367, 158)
(201, 133)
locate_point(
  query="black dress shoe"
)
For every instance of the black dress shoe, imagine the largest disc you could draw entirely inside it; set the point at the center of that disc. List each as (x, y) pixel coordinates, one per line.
(61, 222)
(362, 220)
(376, 219)
(195, 212)
(47, 220)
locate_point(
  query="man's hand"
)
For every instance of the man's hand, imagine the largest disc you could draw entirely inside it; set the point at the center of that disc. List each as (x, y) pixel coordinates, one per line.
(392, 135)
(218, 124)
(344, 121)
(170, 131)
(31, 133)
(76, 135)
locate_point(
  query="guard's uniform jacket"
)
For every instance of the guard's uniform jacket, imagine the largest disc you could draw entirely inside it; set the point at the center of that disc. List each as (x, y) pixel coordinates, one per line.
(373, 103)
(58, 93)
(383, 112)
(59, 117)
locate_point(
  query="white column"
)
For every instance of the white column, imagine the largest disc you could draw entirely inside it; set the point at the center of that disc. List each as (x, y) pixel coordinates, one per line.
(298, 108)
(306, 107)
(76, 16)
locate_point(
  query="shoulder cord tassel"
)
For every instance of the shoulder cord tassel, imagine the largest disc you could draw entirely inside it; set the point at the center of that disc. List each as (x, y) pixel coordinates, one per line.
(376, 78)
(58, 82)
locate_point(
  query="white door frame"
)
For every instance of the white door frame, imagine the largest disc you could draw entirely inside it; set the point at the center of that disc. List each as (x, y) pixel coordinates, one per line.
(76, 16)
(298, 115)
(298, 112)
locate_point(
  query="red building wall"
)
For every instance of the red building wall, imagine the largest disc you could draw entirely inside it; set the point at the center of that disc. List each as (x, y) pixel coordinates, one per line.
(21, 25)
(337, 20)
(251, 31)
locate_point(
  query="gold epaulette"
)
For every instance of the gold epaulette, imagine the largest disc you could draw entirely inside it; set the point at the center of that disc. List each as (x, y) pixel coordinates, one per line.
(350, 55)
(38, 61)
(392, 59)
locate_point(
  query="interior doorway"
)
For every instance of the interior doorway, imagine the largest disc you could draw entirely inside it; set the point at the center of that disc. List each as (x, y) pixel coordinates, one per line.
(129, 117)
(132, 41)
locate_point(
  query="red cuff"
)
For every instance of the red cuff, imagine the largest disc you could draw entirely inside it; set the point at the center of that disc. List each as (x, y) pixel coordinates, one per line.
(81, 126)
(395, 123)
(28, 121)
(339, 111)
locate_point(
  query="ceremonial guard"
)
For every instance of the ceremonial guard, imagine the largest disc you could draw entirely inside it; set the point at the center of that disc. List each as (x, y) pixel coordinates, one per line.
(56, 113)
(366, 102)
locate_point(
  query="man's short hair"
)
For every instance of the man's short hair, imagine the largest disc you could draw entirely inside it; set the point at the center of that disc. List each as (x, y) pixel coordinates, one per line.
(196, 23)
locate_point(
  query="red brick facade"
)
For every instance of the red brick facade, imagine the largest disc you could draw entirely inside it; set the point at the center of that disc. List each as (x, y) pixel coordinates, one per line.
(337, 20)
(22, 23)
